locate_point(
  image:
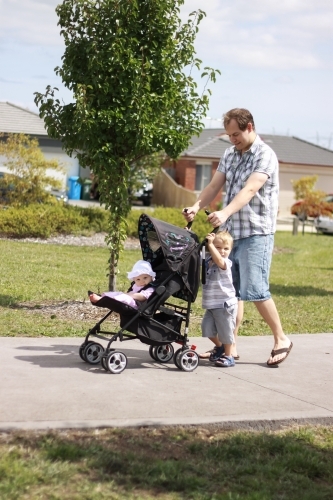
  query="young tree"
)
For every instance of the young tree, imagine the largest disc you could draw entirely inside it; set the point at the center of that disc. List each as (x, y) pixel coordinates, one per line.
(30, 173)
(312, 202)
(128, 64)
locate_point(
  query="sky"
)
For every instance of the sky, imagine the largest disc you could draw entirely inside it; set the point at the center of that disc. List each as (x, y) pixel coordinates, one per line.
(275, 58)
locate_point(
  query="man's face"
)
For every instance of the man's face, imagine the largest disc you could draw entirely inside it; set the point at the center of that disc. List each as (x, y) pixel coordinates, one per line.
(241, 139)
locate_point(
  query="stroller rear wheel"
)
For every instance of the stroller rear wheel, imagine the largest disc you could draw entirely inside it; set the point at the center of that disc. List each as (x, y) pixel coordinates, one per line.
(93, 353)
(188, 360)
(116, 362)
(163, 353)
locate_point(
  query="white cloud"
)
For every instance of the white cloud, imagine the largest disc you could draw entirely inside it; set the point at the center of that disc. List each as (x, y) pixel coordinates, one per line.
(29, 22)
(286, 34)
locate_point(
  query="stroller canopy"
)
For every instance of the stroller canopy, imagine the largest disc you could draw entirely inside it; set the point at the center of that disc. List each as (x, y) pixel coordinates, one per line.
(171, 248)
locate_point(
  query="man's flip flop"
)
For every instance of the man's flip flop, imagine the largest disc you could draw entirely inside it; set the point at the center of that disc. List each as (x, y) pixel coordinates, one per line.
(280, 351)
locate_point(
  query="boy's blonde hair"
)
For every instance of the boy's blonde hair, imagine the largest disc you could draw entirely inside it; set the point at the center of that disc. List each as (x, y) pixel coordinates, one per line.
(225, 237)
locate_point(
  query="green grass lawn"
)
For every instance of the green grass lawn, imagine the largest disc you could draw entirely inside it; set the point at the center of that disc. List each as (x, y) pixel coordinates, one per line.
(173, 463)
(34, 274)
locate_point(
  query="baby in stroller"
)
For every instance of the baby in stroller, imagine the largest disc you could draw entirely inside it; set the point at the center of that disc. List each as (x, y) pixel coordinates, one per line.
(142, 274)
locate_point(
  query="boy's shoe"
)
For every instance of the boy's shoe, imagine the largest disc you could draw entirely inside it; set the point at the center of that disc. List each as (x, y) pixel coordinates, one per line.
(216, 354)
(225, 361)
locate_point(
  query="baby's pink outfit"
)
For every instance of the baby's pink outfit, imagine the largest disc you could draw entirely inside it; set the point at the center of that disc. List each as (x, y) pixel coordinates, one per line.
(127, 299)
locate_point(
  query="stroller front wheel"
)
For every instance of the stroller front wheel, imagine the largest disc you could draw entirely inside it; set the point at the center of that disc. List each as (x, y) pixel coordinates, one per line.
(116, 362)
(188, 360)
(176, 358)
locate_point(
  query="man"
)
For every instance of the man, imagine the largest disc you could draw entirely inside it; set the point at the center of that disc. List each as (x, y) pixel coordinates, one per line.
(250, 171)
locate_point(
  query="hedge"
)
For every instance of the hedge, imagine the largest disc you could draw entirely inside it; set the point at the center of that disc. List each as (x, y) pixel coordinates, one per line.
(43, 221)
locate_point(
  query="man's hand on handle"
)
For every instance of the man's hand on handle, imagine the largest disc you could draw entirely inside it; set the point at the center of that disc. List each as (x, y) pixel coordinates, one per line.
(216, 219)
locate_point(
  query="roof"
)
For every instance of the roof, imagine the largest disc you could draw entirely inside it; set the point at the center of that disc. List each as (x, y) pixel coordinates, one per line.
(212, 143)
(14, 119)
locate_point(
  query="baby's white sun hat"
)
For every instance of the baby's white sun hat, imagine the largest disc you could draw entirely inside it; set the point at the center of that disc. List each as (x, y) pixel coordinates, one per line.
(141, 267)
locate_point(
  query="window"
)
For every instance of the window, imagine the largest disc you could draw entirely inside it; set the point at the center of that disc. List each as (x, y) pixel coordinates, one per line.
(203, 176)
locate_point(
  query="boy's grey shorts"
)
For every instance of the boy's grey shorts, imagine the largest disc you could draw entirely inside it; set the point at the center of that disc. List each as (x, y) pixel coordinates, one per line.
(220, 322)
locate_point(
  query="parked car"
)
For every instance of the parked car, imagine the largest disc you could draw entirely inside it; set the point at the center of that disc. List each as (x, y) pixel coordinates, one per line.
(324, 224)
(311, 211)
(144, 193)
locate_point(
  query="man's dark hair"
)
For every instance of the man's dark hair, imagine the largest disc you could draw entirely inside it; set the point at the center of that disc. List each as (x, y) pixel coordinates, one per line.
(242, 116)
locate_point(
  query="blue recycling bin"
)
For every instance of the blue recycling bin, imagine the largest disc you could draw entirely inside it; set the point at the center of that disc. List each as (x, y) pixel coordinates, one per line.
(74, 192)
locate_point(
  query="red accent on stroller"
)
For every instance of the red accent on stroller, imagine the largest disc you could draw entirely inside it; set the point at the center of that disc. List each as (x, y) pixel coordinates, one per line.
(174, 254)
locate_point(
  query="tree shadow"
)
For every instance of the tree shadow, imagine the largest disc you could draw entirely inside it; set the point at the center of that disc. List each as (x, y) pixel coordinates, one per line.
(9, 301)
(201, 462)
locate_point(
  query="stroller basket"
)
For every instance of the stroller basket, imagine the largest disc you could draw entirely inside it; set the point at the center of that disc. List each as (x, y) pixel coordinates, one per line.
(174, 254)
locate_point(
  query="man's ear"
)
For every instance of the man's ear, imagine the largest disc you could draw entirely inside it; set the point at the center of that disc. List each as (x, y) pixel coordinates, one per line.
(249, 127)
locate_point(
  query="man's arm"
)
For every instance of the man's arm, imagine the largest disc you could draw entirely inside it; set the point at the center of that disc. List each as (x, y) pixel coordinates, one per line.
(252, 186)
(206, 196)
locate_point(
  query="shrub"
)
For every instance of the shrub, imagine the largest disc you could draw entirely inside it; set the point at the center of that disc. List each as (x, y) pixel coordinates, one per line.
(171, 215)
(43, 220)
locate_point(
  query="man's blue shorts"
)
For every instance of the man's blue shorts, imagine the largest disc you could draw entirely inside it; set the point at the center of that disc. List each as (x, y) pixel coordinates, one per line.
(251, 261)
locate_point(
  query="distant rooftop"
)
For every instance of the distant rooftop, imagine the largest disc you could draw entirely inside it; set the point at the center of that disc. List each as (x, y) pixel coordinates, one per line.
(212, 143)
(14, 119)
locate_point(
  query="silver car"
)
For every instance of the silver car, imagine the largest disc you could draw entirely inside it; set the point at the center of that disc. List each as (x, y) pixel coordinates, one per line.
(324, 224)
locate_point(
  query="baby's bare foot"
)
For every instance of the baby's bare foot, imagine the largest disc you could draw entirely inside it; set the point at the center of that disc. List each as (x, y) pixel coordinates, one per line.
(94, 298)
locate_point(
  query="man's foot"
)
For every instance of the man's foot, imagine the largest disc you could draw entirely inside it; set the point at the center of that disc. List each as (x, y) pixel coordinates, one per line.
(205, 355)
(279, 355)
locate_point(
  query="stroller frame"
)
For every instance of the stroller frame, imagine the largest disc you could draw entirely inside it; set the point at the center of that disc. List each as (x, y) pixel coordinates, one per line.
(166, 318)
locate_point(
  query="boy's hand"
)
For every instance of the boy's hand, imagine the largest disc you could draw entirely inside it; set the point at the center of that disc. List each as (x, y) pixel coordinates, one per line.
(210, 238)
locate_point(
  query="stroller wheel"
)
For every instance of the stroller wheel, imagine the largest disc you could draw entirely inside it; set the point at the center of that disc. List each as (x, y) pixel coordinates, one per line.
(176, 358)
(188, 360)
(93, 353)
(82, 348)
(152, 352)
(163, 353)
(104, 363)
(116, 362)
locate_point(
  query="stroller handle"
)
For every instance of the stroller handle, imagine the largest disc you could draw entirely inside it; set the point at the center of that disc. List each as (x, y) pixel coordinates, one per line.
(203, 244)
(189, 224)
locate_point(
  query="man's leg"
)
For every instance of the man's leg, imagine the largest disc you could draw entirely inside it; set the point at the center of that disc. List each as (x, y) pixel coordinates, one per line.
(270, 315)
(254, 260)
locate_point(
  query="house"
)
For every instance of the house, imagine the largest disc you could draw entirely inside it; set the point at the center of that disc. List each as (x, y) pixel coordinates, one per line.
(14, 119)
(196, 166)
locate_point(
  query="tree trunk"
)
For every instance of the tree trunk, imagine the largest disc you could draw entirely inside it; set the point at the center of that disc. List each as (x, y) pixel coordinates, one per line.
(112, 271)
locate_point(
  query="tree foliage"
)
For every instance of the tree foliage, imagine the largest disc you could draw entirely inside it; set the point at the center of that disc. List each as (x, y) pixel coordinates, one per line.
(129, 66)
(30, 174)
(312, 201)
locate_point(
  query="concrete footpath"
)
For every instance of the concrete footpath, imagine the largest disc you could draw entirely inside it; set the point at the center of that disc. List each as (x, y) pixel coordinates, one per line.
(46, 385)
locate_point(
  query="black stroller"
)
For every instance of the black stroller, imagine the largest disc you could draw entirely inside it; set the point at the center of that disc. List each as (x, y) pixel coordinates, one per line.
(174, 254)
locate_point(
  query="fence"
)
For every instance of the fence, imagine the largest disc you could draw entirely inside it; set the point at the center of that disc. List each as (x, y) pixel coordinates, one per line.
(168, 193)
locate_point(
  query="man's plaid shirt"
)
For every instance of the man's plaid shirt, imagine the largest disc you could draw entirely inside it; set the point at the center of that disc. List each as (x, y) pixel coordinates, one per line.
(259, 215)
